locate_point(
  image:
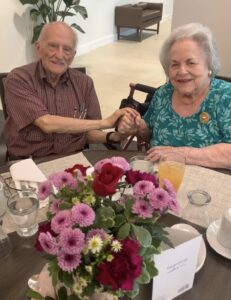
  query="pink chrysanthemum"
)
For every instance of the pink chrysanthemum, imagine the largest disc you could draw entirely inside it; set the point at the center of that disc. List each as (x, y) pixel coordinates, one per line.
(173, 205)
(99, 232)
(168, 186)
(98, 166)
(159, 199)
(71, 240)
(121, 163)
(68, 262)
(44, 189)
(48, 243)
(54, 207)
(142, 208)
(61, 179)
(83, 215)
(143, 187)
(61, 220)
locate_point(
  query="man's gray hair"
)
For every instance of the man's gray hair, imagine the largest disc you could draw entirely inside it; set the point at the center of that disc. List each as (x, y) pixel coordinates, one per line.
(198, 33)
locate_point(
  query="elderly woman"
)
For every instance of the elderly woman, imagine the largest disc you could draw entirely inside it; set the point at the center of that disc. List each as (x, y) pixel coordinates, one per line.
(191, 113)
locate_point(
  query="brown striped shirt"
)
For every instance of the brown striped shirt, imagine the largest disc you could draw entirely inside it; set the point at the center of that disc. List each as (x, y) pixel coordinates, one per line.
(29, 96)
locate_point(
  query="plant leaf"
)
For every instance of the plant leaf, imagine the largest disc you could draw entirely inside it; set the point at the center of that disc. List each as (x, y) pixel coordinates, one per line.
(62, 293)
(77, 27)
(124, 231)
(68, 279)
(33, 294)
(142, 235)
(29, 1)
(68, 2)
(36, 32)
(73, 297)
(34, 13)
(144, 277)
(150, 266)
(81, 10)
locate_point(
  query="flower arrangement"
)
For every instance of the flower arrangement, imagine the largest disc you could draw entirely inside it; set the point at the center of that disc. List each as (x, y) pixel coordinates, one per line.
(102, 229)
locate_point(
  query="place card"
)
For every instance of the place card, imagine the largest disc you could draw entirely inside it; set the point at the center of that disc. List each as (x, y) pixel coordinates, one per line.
(176, 265)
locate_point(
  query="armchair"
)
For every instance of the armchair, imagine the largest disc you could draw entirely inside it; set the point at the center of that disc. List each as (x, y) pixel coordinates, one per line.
(139, 16)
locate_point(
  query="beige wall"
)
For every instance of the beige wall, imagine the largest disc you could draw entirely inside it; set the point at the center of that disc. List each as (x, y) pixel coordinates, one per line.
(214, 14)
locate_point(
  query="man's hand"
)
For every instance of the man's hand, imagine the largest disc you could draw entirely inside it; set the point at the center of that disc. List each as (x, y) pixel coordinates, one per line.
(129, 124)
(112, 121)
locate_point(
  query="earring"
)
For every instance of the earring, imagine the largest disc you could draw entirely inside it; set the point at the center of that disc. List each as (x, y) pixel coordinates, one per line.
(210, 73)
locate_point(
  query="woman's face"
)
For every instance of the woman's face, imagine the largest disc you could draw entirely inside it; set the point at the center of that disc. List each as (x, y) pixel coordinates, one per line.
(188, 68)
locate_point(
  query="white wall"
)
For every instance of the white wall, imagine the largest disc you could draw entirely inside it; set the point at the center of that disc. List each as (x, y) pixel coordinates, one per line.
(16, 29)
(214, 14)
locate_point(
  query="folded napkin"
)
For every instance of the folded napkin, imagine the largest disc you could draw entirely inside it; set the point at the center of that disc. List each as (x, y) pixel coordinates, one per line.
(26, 173)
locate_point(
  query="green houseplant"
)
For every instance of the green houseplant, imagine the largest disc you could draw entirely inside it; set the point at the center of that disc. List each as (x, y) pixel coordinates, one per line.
(45, 11)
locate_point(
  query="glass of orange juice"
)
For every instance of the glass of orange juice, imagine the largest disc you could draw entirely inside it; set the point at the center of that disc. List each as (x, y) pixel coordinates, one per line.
(172, 166)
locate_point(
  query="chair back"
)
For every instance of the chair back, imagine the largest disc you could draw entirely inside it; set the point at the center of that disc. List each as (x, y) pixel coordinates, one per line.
(223, 78)
(2, 94)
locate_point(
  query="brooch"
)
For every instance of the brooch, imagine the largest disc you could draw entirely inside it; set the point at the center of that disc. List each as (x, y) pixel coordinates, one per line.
(204, 117)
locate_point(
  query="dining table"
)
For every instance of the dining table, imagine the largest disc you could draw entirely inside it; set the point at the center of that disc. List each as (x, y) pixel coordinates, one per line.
(211, 282)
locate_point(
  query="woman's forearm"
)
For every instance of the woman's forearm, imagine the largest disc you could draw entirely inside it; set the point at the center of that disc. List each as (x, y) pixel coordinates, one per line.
(143, 132)
(214, 156)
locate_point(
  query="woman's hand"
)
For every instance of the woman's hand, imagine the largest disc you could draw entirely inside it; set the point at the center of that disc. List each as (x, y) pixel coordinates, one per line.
(155, 153)
(129, 124)
(112, 121)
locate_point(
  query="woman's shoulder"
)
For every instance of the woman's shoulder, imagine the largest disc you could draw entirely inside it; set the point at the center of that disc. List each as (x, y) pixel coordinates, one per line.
(220, 86)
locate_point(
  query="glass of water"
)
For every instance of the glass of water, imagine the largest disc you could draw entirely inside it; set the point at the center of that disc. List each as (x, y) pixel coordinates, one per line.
(139, 163)
(23, 211)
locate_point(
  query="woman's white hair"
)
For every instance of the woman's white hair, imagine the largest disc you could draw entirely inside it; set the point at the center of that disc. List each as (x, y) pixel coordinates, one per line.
(198, 33)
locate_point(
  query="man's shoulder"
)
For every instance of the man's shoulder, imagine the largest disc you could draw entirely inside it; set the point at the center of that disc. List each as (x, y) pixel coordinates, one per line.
(23, 71)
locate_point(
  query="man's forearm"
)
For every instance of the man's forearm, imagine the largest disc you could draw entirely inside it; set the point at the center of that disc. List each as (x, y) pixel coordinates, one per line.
(98, 136)
(58, 124)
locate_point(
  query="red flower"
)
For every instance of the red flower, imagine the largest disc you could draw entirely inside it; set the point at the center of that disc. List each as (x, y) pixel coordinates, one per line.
(44, 227)
(132, 177)
(122, 271)
(106, 181)
(73, 169)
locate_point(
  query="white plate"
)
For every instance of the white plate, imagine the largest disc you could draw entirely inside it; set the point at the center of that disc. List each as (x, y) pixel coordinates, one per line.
(211, 235)
(202, 251)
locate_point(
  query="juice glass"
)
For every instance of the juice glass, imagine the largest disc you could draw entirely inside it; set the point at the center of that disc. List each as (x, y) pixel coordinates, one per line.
(171, 166)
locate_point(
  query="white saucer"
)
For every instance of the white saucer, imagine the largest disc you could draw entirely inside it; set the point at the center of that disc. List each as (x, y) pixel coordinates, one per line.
(211, 235)
(202, 251)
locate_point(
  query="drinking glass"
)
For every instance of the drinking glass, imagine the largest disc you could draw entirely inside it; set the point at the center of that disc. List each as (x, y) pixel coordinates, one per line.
(5, 245)
(139, 163)
(171, 166)
(196, 210)
(23, 211)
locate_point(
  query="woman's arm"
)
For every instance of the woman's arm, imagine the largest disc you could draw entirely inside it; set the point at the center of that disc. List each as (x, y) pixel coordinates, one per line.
(214, 156)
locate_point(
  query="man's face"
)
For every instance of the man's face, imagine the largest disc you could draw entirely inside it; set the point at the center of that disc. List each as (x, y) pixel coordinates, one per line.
(56, 49)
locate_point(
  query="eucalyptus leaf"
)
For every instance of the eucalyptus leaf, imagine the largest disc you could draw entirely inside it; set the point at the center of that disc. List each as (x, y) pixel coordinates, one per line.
(124, 231)
(142, 235)
(144, 277)
(150, 266)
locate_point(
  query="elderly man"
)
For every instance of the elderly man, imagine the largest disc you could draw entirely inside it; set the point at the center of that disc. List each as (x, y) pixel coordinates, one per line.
(44, 101)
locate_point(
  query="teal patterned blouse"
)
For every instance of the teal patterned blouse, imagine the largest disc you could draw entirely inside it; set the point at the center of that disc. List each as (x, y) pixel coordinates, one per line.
(170, 129)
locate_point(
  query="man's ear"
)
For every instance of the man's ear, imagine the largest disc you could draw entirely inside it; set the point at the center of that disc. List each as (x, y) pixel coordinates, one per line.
(37, 49)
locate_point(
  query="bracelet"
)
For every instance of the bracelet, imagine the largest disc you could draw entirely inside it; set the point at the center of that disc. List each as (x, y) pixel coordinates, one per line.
(108, 140)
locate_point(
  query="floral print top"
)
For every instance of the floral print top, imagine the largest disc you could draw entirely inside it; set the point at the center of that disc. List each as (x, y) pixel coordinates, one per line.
(211, 124)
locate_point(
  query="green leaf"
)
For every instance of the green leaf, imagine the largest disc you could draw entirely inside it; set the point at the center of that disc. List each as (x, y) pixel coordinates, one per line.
(62, 293)
(68, 279)
(150, 266)
(36, 32)
(29, 1)
(124, 231)
(119, 220)
(77, 27)
(81, 10)
(44, 10)
(33, 294)
(149, 251)
(65, 205)
(135, 291)
(144, 277)
(64, 14)
(34, 13)
(142, 235)
(68, 2)
(49, 298)
(73, 297)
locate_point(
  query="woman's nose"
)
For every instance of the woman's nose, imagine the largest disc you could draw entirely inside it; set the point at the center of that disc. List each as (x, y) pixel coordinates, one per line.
(182, 69)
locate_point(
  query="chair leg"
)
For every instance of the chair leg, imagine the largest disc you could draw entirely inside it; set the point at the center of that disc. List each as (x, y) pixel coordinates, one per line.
(158, 26)
(118, 32)
(140, 35)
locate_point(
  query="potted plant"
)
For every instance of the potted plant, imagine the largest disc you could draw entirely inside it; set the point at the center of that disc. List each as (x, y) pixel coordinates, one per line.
(45, 11)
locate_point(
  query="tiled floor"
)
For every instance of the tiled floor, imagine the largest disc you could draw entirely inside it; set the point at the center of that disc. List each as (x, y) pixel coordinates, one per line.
(115, 65)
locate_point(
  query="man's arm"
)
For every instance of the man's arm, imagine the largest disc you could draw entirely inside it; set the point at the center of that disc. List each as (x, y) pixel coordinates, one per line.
(49, 123)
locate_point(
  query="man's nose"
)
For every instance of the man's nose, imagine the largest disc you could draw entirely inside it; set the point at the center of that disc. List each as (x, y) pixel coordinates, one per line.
(59, 52)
